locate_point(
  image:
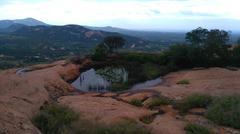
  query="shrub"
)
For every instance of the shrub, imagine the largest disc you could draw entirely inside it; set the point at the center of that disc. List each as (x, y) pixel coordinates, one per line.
(136, 102)
(52, 119)
(115, 87)
(100, 53)
(124, 127)
(197, 129)
(151, 71)
(157, 58)
(225, 111)
(194, 101)
(157, 101)
(183, 82)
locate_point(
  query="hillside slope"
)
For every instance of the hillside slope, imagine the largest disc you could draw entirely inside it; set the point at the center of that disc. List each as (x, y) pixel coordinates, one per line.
(27, 21)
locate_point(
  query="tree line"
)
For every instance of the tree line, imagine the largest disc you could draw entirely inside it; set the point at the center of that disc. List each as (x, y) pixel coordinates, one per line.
(203, 48)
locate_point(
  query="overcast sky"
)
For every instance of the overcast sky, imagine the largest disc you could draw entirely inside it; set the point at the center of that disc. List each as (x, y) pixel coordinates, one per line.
(132, 14)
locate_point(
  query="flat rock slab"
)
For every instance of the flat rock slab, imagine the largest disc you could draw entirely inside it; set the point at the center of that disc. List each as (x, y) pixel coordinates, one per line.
(166, 124)
(103, 109)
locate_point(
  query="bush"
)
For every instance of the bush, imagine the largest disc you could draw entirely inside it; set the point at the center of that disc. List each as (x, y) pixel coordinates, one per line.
(52, 119)
(157, 101)
(100, 53)
(157, 58)
(183, 82)
(151, 71)
(115, 87)
(136, 102)
(197, 129)
(124, 127)
(225, 111)
(194, 101)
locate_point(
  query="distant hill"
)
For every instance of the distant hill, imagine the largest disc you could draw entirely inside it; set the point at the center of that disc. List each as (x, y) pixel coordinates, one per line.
(165, 38)
(28, 44)
(28, 22)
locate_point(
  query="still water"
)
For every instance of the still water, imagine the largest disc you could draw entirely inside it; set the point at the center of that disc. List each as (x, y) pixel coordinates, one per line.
(100, 80)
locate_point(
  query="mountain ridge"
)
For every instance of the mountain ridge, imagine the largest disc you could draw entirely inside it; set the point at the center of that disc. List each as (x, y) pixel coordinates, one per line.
(27, 21)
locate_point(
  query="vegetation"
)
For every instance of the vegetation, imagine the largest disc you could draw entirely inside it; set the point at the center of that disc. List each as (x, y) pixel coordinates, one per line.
(156, 58)
(194, 101)
(52, 119)
(197, 129)
(225, 111)
(119, 86)
(183, 82)
(136, 102)
(112, 43)
(56, 119)
(157, 101)
(151, 71)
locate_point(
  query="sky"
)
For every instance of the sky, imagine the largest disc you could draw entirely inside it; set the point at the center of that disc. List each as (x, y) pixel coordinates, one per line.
(157, 15)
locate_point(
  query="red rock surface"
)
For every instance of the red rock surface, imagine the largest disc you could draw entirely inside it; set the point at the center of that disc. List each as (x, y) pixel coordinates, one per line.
(214, 81)
(103, 109)
(22, 96)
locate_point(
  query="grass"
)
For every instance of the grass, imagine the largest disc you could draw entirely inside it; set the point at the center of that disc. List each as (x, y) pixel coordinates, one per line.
(225, 111)
(196, 129)
(183, 82)
(52, 119)
(196, 100)
(136, 102)
(158, 101)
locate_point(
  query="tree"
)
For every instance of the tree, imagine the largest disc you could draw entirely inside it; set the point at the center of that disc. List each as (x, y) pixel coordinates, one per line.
(213, 45)
(235, 56)
(197, 36)
(100, 52)
(216, 44)
(113, 43)
(238, 41)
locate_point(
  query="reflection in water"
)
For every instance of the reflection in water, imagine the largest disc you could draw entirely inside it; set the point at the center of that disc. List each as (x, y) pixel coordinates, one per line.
(90, 81)
(114, 75)
(149, 83)
(100, 80)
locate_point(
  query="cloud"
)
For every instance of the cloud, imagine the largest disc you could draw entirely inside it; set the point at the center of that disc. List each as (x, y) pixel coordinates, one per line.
(124, 13)
(199, 14)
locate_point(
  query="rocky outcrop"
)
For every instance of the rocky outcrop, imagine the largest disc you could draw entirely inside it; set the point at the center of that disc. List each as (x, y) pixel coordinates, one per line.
(103, 109)
(21, 96)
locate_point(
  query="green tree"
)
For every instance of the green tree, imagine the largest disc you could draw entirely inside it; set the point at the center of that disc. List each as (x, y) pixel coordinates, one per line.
(197, 36)
(112, 43)
(235, 56)
(216, 46)
(210, 46)
(238, 41)
(100, 52)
